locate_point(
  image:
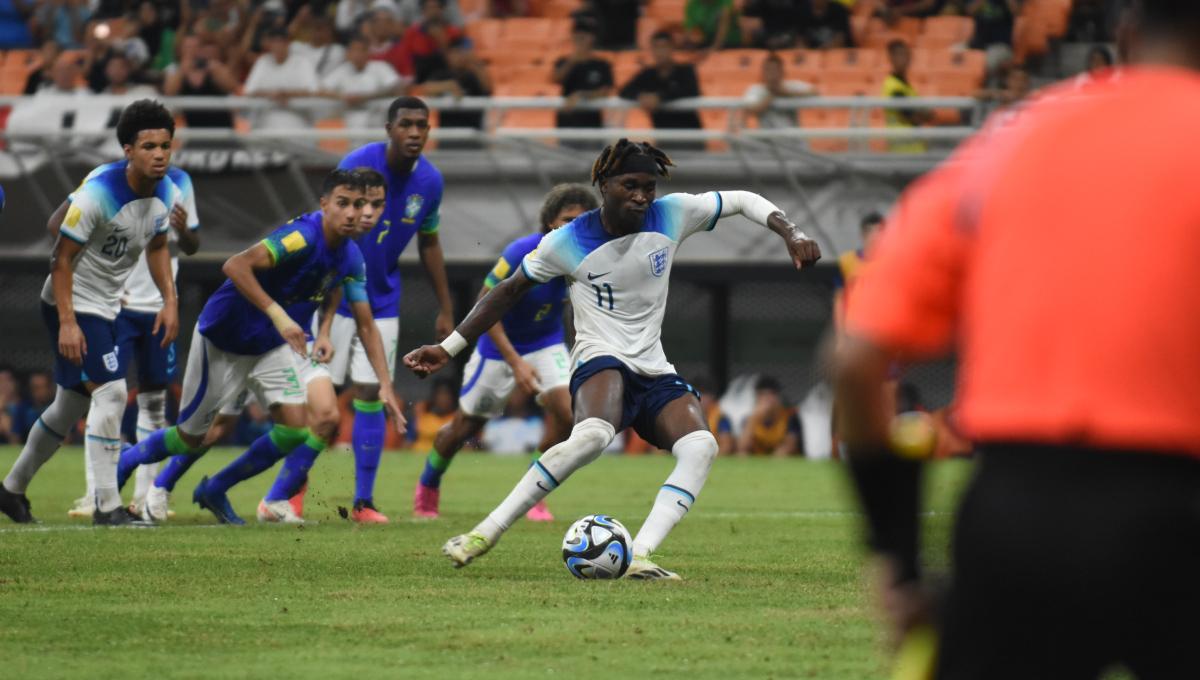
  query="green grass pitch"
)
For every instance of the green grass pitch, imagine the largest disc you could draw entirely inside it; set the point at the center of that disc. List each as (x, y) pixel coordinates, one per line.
(770, 556)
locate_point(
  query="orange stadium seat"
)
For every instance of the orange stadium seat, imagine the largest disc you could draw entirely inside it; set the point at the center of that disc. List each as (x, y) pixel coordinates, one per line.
(485, 34)
(909, 27)
(532, 33)
(1052, 15)
(866, 7)
(667, 12)
(853, 85)
(881, 39)
(948, 30)
(1030, 38)
(338, 146)
(826, 118)
(557, 9)
(746, 61)
(527, 118)
(626, 65)
(971, 62)
(854, 59)
(802, 64)
(646, 28)
(469, 8)
(859, 27)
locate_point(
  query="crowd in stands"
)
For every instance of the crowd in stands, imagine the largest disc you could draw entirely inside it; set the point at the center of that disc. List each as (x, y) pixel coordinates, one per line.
(356, 51)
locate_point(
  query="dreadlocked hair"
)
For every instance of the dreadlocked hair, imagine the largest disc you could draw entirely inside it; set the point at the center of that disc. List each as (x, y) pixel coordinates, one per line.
(614, 155)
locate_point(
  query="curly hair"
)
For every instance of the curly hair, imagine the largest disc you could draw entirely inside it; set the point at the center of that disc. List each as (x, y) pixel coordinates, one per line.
(614, 155)
(565, 196)
(144, 114)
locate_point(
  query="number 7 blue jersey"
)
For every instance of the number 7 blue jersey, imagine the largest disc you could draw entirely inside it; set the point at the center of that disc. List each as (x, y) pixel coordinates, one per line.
(413, 204)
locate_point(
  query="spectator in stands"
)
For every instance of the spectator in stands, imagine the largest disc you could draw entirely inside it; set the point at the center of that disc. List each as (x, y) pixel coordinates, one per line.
(43, 68)
(780, 21)
(772, 427)
(359, 80)
(897, 86)
(382, 32)
(108, 44)
(1017, 86)
(412, 12)
(352, 14)
(463, 76)
(313, 38)
(201, 73)
(825, 24)
(616, 22)
(894, 10)
(10, 402)
(665, 81)
(993, 22)
(64, 78)
(118, 74)
(282, 76)
(428, 40)
(431, 415)
(14, 29)
(711, 24)
(158, 27)
(40, 388)
(718, 422)
(62, 21)
(583, 76)
(761, 96)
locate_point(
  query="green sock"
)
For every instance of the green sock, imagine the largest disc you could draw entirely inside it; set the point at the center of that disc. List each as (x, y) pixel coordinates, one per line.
(435, 467)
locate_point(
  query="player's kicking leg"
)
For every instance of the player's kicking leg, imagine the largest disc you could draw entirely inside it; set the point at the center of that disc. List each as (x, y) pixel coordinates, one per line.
(599, 409)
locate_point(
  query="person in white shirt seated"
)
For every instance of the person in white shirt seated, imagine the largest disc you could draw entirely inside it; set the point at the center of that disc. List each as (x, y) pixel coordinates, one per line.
(361, 79)
(319, 44)
(760, 97)
(282, 76)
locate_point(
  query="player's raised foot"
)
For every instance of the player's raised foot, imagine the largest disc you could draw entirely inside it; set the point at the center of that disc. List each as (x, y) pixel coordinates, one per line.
(463, 549)
(216, 503)
(425, 502)
(539, 513)
(156, 507)
(16, 506)
(297, 501)
(642, 569)
(120, 517)
(365, 513)
(84, 506)
(278, 512)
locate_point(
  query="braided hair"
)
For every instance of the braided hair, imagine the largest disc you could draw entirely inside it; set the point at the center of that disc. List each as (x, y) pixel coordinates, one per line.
(614, 155)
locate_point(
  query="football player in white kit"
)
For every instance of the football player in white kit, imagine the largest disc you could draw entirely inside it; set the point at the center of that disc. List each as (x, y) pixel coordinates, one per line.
(617, 261)
(140, 304)
(112, 218)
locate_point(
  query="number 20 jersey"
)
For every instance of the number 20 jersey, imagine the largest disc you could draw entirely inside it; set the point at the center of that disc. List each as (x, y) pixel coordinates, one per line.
(113, 224)
(618, 285)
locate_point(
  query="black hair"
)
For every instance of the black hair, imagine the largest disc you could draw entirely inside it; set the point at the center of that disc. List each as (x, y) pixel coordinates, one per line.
(370, 177)
(564, 196)
(144, 114)
(614, 154)
(1103, 51)
(769, 384)
(407, 102)
(870, 220)
(340, 177)
(662, 35)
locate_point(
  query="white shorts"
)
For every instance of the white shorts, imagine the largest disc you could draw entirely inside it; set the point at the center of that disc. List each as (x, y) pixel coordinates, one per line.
(215, 380)
(489, 382)
(308, 371)
(349, 355)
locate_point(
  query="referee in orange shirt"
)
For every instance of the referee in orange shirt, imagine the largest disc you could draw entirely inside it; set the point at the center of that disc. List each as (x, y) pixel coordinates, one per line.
(1059, 253)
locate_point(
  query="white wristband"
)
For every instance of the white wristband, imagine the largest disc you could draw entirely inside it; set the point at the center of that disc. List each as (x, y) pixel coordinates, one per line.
(454, 343)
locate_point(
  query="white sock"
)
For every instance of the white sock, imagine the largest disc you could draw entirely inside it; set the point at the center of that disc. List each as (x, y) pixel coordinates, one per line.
(152, 417)
(103, 442)
(585, 444)
(45, 437)
(91, 479)
(694, 454)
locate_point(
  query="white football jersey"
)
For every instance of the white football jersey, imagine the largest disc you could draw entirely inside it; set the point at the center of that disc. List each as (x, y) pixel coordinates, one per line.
(618, 285)
(141, 295)
(113, 224)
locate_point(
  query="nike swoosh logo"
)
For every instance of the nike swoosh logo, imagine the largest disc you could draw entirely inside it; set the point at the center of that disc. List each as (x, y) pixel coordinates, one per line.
(543, 487)
(681, 504)
(593, 277)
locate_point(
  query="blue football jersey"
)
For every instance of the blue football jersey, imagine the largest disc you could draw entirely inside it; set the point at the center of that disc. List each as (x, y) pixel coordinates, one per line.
(536, 320)
(413, 204)
(304, 269)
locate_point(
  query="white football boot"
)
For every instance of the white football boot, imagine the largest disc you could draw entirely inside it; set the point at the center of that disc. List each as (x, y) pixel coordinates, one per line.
(642, 569)
(278, 512)
(463, 549)
(157, 505)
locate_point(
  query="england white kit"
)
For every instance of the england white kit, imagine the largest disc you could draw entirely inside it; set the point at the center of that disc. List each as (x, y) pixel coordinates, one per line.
(114, 225)
(618, 285)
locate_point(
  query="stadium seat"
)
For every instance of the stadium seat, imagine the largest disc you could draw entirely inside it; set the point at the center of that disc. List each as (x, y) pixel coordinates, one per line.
(1051, 15)
(646, 28)
(337, 146)
(802, 64)
(1030, 38)
(852, 85)
(532, 33)
(557, 9)
(667, 12)
(485, 34)
(626, 65)
(527, 118)
(948, 30)
(907, 27)
(947, 83)
(971, 62)
(469, 8)
(866, 7)
(747, 61)
(826, 118)
(881, 39)
(853, 59)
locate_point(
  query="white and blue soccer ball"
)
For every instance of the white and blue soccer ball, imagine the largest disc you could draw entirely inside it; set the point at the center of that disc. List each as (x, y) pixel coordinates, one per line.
(597, 547)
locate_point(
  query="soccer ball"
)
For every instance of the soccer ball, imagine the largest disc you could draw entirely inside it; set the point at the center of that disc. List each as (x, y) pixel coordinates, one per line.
(597, 547)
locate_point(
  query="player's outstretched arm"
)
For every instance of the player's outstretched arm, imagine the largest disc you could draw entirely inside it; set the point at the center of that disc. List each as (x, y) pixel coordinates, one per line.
(368, 332)
(430, 358)
(158, 260)
(803, 250)
(71, 343)
(240, 270)
(429, 246)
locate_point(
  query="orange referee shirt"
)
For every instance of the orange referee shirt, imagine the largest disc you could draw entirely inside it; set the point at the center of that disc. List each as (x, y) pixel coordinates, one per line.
(1060, 252)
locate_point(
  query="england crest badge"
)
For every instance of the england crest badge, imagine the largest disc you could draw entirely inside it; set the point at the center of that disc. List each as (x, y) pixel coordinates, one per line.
(658, 262)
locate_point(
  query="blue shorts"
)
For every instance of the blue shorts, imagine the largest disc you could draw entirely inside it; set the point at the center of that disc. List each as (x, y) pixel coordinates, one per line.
(102, 362)
(155, 363)
(644, 398)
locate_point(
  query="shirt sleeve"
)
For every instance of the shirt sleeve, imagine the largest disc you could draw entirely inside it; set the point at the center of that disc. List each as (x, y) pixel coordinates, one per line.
(354, 285)
(509, 260)
(85, 214)
(687, 214)
(188, 199)
(288, 242)
(557, 255)
(253, 80)
(907, 300)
